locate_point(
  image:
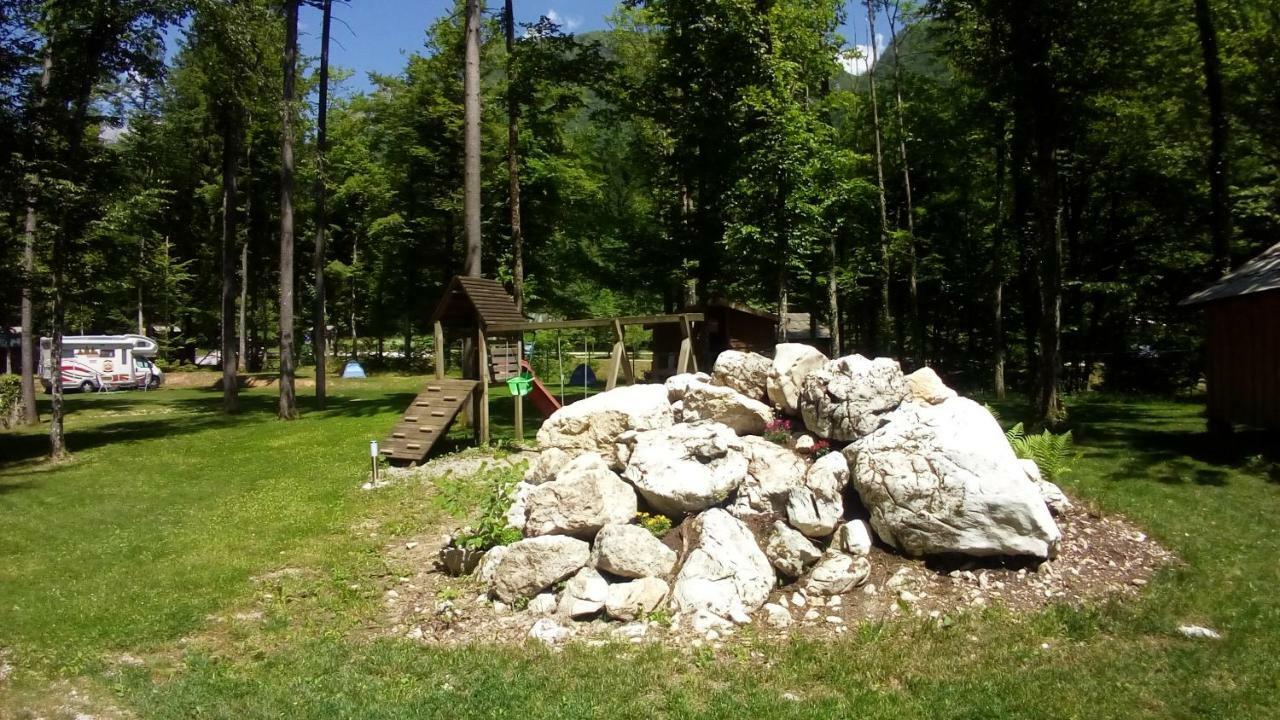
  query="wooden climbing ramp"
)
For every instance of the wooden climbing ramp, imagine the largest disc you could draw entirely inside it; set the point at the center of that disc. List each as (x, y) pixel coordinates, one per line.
(427, 419)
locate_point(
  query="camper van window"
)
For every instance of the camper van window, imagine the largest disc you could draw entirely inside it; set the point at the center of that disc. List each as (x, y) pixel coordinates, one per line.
(68, 352)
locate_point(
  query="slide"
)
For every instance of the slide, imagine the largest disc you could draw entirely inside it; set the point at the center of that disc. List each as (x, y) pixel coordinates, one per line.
(543, 400)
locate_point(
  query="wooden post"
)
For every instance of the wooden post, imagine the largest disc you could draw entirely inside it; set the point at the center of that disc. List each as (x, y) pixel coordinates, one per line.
(481, 412)
(441, 354)
(620, 359)
(519, 420)
(687, 362)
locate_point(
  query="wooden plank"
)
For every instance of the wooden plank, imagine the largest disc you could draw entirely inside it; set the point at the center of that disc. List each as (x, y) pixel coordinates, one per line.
(502, 328)
(412, 438)
(481, 404)
(519, 415)
(628, 370)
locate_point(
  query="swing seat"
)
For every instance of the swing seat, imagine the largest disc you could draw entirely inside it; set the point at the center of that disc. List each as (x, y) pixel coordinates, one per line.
(520, 385)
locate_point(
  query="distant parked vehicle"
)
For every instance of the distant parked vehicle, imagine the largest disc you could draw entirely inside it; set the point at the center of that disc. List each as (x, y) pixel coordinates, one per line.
(102, 362)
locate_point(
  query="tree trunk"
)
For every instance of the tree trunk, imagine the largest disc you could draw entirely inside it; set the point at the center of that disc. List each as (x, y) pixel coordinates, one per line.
(288, 409)
(997, 275)
(230, 171)
(1048, 409)
(355, 261)
(913, 289)
(471, 139)
(513, 164)
(833, 300)
(1219, 192)
(882, 320)
(242, 330)
(322, 221)
(30, 412)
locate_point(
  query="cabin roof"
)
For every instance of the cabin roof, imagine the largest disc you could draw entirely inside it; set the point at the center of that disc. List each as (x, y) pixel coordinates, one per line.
(469, 300)
(800, 325)
(1258, 275)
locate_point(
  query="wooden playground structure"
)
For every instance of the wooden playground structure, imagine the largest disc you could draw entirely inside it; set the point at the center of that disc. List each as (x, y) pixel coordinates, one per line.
(479, 310)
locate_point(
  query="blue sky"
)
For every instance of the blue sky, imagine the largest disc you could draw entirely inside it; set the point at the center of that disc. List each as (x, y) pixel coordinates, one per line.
(377, 35)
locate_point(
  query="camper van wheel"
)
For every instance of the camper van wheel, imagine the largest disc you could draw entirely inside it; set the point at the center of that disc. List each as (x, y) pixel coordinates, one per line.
(86, 386)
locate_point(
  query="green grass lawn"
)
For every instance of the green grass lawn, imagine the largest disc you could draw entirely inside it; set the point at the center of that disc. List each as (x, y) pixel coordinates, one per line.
(121, 574)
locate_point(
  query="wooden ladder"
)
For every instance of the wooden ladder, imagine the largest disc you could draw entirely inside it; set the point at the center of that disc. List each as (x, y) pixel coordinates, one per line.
(427, 420)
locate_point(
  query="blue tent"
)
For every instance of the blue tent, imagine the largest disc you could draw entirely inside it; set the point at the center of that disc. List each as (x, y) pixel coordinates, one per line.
(582, 375)
(353, 370)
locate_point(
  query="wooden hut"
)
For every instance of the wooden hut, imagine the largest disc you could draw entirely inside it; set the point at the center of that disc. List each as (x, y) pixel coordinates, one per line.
(727, 326)
(1242, 368)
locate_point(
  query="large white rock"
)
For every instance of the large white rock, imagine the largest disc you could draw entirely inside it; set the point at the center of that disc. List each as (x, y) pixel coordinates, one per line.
(746, 372)
(725, 573)
(1053, 496)
(790, 552)
(584, 594)
(678, 385)
(630, 551)
(594, 423)
(488, 566)
(837, 573)
(725, 405)
(943, 479)
(530, 566)
(685, 468)
(853, 537)
(585, 496)
(847, 398)
(635, 599)
(816, 506)
(791, 363)
(924, 385)
(516, 514)
(549, 462)
(773, 472)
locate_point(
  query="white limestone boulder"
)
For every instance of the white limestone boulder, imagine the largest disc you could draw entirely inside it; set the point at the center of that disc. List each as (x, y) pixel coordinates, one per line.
(817, 505)
(516, 515)
(584, 595)
(585, 496)
(791, 363)
(847, 398)
(594, 423)
(853, 537)
(773, 471)
(725, 405)
(925, 386)
(1053, 496)
(790, 552)
(635, 599)
(746, 372)
(630, 551)
(726, 573)
(678, 385)
(532, 565)
(685, 468)
(943, 479)
(544, 469)
(837, 573)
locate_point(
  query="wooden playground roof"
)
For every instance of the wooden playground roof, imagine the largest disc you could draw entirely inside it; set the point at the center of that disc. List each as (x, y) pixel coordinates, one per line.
(471, 299)
(1260, 274)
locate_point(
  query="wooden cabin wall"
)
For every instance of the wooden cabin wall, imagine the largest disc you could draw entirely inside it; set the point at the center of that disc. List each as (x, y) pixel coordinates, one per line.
(1243, 362)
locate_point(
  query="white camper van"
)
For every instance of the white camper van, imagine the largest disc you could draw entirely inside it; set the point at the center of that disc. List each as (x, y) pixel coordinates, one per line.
(102, 362)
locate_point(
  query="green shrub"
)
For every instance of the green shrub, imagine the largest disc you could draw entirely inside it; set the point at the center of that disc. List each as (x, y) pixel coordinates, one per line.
(10, 398)
(491, 530)
(1053, 453)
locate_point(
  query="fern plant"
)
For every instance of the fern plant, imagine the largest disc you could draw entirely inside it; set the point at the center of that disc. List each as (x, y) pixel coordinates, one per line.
(1053, 453)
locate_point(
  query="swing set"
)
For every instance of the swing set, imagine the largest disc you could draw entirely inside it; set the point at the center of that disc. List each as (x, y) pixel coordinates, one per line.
(478, 310)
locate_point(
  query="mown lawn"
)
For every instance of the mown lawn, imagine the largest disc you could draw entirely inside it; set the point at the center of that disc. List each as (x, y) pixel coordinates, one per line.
(122, 573)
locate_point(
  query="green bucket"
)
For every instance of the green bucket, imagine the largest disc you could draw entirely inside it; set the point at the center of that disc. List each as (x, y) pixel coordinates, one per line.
(520, 385)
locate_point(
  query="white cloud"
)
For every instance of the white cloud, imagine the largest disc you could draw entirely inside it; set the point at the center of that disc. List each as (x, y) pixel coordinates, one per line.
(859, 58)
(569, 23)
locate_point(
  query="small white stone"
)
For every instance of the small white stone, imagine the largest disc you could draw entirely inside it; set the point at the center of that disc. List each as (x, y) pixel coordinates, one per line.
(549, 631)
(835, 620)
(811, 615)
(777, 615)
(798, 599)
(1198, 632)
(870, 589)
(410, 545)
(543, 604)
(907, 596)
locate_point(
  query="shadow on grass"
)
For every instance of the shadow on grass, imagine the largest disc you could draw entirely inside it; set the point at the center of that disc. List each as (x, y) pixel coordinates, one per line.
(174, 416)
(1168, 443)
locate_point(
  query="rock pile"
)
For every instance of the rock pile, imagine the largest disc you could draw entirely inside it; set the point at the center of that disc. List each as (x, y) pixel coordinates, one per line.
(875, 454)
